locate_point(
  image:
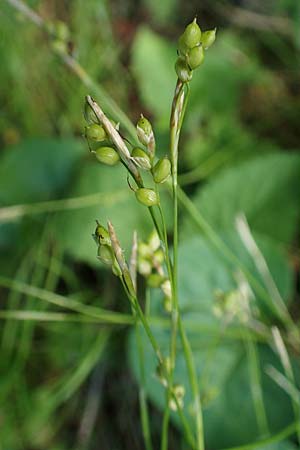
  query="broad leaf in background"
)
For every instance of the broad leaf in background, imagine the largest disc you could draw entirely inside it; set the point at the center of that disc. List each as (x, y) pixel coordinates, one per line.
(37, 169)
(153, 60)
(32, 171)
(222, 142)
(220, 352)
(161, 12)
(117, 203)
(266, 189)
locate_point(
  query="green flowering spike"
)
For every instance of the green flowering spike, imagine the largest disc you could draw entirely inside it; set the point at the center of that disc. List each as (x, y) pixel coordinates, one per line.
(95, 132)
(101, 235)
(155, 280)
(107, 155)
(183, 71)
(141, 158)
(208, 38)
(144, 130)
(146, 196)
(162, 170)
(192, 35)
(105, 254)
(195, 57)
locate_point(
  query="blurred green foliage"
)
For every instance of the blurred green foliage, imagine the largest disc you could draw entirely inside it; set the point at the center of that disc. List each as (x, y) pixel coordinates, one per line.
(63, 372)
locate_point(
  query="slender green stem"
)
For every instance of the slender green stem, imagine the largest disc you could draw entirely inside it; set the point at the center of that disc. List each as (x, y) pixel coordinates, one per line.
(144, 320)
(257, 392)
(177, 116)
(142, 391)
(194, 385)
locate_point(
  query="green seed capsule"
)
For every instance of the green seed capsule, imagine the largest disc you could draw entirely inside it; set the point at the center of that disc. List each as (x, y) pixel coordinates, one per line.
(192, 34)
(195, 57)
(208, 38)
(144, 250)
(105, 254)
(101, 235)
(59, 46)
(144, 130)
(182, 48)
(183, 71)
(162, 170)
(153, 241)
(155, 280)
(144, 267)
(159, 256)
(95, 132)
(62, 31)
(146, 196)
(141, 158)
(107, 155)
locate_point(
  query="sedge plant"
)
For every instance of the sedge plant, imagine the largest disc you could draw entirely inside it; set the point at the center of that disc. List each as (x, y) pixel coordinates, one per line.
(152, 259)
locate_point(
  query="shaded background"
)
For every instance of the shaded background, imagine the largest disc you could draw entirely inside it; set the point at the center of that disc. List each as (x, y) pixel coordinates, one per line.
(65, 383)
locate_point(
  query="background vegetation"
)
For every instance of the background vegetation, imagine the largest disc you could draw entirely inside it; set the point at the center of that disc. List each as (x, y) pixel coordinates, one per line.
(68, 376)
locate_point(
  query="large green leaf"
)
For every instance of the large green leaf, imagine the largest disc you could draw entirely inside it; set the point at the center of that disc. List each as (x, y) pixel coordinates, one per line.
(220, 353)
(153, 60)
(117, 203)
(37, 169)
(161, 12)
(266, 189)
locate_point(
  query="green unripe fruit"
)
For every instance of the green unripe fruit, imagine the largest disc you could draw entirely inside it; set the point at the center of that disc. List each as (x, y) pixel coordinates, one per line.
(195, 57)
(153, 241)
(155, 280)
(107, 155)
(102, 235)
(58, 30)
(144, 250)
(59, 46)
(144, 130)
(146, 196)
(192, 35)
(183, 71)
(105, 254)
(141, 158)
(95, 132)
(139, 152)
(144, 267)
(159, 256)
(62, 31)
(162, 170)
(182, 48)
(208, 38)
